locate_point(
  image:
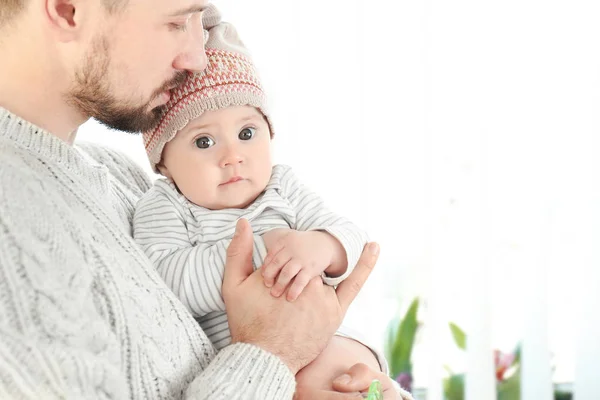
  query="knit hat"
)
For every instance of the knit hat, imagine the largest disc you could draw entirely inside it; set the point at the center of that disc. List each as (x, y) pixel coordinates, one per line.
(230, 79)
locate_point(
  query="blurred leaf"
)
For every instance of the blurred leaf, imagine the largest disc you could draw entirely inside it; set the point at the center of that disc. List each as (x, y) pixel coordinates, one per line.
(454, 387)
(460, 338)
(558, 395)
(405, 338)
(448, 370)
(510, 389)
(517, 352)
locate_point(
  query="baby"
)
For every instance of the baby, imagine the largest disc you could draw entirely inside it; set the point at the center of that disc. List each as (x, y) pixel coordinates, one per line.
(213, 149)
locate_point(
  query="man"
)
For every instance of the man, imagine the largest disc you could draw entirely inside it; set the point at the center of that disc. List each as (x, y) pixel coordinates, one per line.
(82, 312)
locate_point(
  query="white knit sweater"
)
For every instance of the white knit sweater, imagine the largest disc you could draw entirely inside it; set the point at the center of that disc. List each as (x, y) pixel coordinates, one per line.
(83, 313)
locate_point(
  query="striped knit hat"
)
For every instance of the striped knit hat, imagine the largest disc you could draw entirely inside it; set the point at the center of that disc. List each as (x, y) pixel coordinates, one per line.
(230, 79)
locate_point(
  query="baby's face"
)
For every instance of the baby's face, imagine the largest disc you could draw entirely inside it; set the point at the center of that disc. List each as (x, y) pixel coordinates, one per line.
(221, 159)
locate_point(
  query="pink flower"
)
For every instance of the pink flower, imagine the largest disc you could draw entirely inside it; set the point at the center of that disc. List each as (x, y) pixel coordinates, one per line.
(503, 362)
(405, 381)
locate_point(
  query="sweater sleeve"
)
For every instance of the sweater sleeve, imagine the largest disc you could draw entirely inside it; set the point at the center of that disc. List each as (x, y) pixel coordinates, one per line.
(194, 272)
(312, 214)
(243, 371)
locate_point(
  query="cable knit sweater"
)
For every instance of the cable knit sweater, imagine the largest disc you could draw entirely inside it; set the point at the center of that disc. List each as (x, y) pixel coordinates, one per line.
(83, 313)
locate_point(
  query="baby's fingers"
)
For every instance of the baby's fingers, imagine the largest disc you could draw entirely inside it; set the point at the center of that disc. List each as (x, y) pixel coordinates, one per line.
(273, 265)
(300, 282)
(288, 272)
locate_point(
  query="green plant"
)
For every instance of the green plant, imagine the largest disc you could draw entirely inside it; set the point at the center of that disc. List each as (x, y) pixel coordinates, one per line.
(399, 345)
(560, 395)
(508, 386)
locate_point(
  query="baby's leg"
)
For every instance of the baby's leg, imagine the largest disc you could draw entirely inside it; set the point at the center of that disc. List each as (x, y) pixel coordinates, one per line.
(340, 354)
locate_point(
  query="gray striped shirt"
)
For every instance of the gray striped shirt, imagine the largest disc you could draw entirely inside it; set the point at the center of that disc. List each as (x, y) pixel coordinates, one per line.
(188, 243)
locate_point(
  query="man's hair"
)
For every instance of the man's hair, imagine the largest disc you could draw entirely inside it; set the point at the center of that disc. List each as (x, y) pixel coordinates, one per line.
(115, 5)
(10, 8)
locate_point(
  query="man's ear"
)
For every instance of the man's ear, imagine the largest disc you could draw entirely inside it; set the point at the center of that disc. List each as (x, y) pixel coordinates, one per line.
(64, 17)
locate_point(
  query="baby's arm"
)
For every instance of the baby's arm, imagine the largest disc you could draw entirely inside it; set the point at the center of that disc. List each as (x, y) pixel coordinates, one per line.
(193, 272)
(313, 215)
(345, 240)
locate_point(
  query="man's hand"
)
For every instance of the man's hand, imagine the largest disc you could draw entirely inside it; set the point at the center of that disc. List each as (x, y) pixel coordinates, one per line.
(295, 257)
(295, 332)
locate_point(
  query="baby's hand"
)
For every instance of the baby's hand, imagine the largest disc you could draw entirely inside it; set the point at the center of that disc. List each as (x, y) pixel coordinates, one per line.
(295, 258)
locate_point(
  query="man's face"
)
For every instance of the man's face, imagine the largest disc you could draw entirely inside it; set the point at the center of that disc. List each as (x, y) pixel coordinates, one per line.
(141, 53)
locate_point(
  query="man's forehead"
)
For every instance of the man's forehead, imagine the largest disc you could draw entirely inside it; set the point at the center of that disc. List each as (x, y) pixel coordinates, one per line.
(172, 7)
(187, 7)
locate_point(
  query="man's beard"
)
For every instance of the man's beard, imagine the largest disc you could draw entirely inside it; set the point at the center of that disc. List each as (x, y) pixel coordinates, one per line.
(93, 97)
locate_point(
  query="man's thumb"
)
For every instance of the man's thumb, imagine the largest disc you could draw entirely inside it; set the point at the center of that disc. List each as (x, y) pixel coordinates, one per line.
(238, 265)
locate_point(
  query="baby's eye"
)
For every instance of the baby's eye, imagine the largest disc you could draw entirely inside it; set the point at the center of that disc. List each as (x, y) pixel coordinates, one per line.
(247, 133)
(204, 142)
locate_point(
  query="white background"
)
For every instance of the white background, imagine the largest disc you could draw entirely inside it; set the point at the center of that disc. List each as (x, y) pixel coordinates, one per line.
(459, 134)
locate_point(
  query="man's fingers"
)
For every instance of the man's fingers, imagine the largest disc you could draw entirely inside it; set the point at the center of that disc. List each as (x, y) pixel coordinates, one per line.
(357, 378)
(239, 256)
(348, 289)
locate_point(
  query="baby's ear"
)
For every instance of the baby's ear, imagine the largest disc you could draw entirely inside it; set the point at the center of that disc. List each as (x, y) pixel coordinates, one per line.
(163, 170)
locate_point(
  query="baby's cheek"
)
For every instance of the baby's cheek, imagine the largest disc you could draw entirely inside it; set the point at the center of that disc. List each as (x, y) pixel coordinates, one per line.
(197, 192)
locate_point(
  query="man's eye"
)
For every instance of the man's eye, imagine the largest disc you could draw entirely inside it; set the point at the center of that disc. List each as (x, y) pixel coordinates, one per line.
(179, 26)
(204, 142)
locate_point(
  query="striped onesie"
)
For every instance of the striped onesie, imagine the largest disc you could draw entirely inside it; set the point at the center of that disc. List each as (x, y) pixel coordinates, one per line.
(187, 243)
